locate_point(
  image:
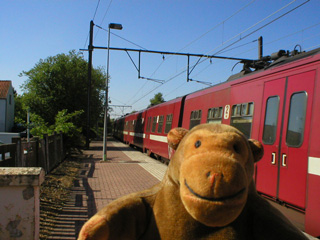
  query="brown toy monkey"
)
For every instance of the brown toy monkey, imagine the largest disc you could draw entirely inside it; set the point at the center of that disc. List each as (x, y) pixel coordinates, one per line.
(207, 193)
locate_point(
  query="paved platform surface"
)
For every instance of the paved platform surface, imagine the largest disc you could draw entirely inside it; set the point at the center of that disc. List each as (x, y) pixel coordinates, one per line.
(99, 183)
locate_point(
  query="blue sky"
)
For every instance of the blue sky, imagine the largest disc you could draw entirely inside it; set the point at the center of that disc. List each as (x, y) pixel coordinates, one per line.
(36, 29)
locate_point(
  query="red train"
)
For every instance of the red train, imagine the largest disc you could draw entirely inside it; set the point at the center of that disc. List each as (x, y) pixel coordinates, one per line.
(275, 100)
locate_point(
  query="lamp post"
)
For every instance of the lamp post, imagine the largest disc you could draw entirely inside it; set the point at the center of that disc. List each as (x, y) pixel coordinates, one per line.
(105, 133)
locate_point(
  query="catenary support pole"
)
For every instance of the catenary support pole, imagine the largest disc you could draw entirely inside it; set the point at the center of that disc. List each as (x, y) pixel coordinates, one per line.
(90, 48)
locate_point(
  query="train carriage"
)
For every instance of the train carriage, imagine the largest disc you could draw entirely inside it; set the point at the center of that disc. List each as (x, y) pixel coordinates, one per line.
(135, 124)
(160, 119)
(279, 105)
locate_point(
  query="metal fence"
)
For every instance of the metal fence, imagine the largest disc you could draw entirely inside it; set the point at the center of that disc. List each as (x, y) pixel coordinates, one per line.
(46, 153)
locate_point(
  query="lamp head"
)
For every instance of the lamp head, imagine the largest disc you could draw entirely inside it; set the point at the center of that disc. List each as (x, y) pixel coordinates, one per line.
(116, 26)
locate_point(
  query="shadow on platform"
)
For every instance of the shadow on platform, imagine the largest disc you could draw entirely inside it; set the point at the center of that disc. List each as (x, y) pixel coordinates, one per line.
(81, 205)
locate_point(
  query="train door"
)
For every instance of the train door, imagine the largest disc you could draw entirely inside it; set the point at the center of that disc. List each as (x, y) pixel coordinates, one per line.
(282, 173)
(267, 168)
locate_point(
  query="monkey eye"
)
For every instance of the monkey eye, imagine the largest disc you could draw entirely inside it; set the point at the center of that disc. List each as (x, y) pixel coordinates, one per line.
(237, 148)
(197, 144)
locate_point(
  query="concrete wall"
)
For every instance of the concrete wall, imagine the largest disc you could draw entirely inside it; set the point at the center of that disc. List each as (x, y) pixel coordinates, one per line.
(20, 202)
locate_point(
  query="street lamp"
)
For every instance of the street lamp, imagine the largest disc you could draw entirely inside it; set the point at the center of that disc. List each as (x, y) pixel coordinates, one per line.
(116, 26)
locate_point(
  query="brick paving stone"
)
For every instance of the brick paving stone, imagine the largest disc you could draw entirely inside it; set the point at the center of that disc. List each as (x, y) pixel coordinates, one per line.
(125, 171)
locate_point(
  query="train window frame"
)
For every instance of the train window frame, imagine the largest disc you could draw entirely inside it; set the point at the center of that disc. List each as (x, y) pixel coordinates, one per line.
(195, 118)
(304, 120)
(160, 123)
(154, 124)
(239, 116)
(215, 115)
(267, 118)
(168, 124)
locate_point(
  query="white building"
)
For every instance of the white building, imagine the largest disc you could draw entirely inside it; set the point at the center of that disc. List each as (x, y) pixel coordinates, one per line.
(6, 106)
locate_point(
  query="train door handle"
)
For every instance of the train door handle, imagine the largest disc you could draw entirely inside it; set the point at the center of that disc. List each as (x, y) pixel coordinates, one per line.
(284, 160)
(273, 160)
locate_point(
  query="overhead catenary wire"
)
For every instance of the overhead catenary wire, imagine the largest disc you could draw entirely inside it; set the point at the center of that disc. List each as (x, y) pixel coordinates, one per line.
(254, 25)
(124, 40)
(104, 16)
(254, 48)
(204, 34)
(94, 15)
(126, 51)
(264, 24)
(106, 12)
(120, 37)
(239, 46)
(182, 49)
(275, 40)
(190, 43)
(198, 38)
(241, 38)
(224, 43)
(257, 23)
(173, 77)
(95, 12)
(266, 43)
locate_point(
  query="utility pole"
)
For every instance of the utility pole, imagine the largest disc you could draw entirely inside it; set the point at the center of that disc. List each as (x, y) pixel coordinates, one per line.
(90, 48)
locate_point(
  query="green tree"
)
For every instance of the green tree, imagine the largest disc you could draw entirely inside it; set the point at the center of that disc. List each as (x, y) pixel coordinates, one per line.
(20, 112)
(64, 122)
(157, 99)
(60, 82)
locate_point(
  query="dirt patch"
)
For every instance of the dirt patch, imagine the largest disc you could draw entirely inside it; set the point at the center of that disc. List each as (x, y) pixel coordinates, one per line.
(55, 192)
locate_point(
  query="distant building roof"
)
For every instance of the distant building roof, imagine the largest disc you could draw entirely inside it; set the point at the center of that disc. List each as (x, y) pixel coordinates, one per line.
(4, 88)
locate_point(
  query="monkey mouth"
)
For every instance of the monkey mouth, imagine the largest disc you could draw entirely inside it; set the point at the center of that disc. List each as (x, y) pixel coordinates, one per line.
(212, 199)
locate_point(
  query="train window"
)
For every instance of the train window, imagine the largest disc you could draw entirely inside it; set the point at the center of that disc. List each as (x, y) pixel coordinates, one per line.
(297, 116)
(242, 117)
(139, 125)
(236, 110)
(133, 127)
(168, 123)
(215, 115)
(160, 124)
(154, 123)
(195, 118)
(126, 126)
(148, 124)
(270, 121)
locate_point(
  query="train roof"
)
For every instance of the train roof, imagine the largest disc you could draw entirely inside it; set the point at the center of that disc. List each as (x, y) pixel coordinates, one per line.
(276, 59)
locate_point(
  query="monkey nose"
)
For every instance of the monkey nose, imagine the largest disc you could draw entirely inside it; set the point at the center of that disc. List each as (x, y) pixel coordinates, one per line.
(213, 177)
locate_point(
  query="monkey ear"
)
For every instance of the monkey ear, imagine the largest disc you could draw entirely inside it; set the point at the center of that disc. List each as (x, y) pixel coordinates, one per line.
(175, 136)
(257, 149)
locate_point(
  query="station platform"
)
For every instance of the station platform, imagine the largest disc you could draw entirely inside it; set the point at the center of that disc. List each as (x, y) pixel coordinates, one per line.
(100, 182)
